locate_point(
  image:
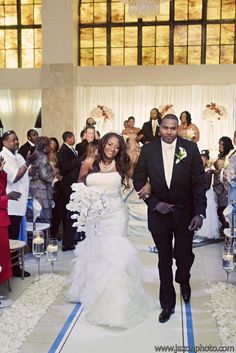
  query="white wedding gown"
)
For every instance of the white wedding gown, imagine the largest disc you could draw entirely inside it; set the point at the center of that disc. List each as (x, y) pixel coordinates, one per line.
(107, 274)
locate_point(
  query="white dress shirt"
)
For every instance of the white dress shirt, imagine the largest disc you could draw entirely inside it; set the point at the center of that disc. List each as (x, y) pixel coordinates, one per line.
(168, 153)
(154, 126)
(13, 163)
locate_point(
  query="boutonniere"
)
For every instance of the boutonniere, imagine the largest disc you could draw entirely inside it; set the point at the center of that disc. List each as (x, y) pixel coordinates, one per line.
(181, 155)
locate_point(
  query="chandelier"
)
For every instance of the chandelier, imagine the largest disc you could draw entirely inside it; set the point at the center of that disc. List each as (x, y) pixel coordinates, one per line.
(142, 8)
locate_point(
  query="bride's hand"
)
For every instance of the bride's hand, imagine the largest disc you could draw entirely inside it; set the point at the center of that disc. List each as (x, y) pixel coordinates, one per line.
(145, 192)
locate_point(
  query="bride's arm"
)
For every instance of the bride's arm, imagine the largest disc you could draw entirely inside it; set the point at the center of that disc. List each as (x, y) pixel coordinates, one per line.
(84, 170)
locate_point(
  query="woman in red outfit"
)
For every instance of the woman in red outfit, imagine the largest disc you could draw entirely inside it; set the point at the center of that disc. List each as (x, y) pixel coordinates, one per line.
(5, 259)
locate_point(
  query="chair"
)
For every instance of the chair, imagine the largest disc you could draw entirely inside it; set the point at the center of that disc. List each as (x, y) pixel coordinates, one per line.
(17, 258)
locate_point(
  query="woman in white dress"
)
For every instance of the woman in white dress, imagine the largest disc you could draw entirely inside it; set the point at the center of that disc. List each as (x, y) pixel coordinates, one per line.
(211, 226)
(107, 275)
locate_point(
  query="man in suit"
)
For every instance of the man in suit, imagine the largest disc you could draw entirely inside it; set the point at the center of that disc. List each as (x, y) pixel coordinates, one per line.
(176, 206)
(69, 166)
(150, 128)
(32, 136)
(89, 136)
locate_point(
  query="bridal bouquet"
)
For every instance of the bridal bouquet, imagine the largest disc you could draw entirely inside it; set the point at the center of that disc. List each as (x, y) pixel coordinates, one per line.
(86, 204)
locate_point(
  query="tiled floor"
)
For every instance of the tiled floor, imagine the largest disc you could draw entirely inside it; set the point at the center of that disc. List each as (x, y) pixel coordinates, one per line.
(86, 338)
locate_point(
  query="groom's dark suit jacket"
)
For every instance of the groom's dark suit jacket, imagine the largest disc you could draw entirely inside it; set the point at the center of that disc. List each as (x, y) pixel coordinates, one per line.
(187, 189)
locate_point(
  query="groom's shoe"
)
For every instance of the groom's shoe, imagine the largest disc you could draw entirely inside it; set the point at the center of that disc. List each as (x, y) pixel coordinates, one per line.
(185, 290)
(165, 315)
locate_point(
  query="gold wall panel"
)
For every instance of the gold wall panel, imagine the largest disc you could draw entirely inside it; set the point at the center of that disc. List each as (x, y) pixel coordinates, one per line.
(148, 56)
(149, 35)
(100, 37)
(131, 36)
(180, 35)
(226, 54)
(117, 37)
(100, 13)
(131, 56)
(180, 55)
(117, 56)
(212, 54)
(100, 57)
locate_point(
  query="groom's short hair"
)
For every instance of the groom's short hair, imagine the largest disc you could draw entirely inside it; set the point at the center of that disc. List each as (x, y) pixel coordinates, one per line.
(170, 116)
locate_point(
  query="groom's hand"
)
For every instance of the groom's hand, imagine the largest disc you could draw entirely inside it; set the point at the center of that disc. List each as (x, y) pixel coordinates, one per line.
(196, 223)
(164, 207)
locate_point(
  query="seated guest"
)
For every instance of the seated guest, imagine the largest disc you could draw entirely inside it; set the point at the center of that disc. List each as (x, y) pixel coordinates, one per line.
(69, 166)
(5, 258)
(150, 128)
(32, 136)
(89, 136)
(41, 181)
(17, 180)
(187, 129)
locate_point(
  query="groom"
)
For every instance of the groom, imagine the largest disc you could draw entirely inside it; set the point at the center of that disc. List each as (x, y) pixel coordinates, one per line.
(176, 206)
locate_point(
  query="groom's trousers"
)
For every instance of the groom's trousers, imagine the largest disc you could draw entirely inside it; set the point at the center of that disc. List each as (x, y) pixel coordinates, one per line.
(180, 250)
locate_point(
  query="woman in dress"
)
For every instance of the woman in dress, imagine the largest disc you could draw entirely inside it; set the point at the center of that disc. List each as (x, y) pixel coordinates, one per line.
(41, 182)
(57, 213)
(187, 129)
(219, 186)
(5, 259)
(106, 277)
(211, 225)
(131, 133)
(230, 174)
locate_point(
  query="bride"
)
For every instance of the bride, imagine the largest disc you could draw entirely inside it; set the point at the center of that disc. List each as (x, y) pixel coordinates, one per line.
(107, 275)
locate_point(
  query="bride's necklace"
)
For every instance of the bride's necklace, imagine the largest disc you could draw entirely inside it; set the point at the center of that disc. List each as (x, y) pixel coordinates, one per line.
(106, 168)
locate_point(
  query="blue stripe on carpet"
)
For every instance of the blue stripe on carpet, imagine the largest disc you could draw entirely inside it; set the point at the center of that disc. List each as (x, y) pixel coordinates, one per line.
(189, 323)
(64, 329)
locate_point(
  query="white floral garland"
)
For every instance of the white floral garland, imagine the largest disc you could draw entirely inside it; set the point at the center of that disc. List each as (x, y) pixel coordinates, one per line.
(223, 302)
(18, 321)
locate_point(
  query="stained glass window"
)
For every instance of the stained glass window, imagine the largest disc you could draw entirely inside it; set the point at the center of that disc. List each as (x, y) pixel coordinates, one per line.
(20, 33)
(183, 32)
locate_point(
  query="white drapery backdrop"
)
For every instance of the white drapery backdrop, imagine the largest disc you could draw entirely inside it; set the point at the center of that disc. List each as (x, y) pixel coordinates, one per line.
(19, 109)
(139, 100)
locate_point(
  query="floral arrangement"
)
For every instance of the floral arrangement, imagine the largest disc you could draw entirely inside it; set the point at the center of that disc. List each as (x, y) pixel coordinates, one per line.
(190, 134)
(101, 112)
(214, 112)
(181, 155)
(86, 204)
(166, 109)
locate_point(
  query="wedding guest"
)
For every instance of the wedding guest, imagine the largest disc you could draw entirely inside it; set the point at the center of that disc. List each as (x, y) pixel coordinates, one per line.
(17, 180)
(133, 147)
(107, 276)
(5, 258)
(125, 123)
(32, 136)
(220, 188)
(89, 136)
(90, 122)
(57, 213)
(69, 166)
(150, 129)
(210, 227)
(230, 174)
(187, 129)
(40, 186)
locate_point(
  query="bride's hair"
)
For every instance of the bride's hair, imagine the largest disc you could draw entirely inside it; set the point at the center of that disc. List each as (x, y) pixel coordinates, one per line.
(122, 158)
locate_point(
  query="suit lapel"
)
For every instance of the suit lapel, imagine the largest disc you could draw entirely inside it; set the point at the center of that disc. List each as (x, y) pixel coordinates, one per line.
(159, 160)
